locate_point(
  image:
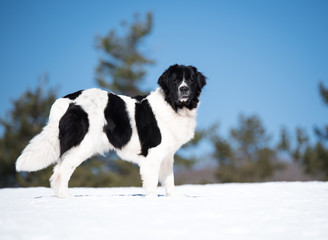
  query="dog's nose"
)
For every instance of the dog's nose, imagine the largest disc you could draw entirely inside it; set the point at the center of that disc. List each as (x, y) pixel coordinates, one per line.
(184, 89)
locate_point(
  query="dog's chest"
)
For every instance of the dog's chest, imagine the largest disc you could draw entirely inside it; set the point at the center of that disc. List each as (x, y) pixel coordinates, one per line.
(178, 129)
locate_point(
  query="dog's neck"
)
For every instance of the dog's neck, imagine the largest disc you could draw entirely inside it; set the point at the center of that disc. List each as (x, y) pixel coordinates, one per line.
(159, 96)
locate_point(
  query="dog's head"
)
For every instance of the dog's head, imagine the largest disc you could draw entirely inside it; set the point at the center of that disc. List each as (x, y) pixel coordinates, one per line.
(182, 86)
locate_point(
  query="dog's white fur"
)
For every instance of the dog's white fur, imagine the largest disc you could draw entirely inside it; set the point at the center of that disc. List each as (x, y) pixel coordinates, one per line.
(177, 128)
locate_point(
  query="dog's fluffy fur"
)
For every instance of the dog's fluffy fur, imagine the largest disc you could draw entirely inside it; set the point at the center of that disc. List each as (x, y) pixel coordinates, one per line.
(146, 130)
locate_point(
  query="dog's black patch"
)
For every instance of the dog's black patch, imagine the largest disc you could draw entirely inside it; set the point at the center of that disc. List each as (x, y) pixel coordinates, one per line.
(73, 126)
(118, 128)
(73, 96)
(148, 131)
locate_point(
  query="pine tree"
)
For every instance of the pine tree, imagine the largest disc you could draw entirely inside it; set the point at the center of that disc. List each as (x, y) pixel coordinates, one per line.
(247, 156)
(26, 119)
(122, 68)
(284, 142)
(322, 134)
(315, 158)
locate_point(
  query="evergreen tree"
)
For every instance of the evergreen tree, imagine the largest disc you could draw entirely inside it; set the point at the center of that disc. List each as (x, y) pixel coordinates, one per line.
(26, 119)
(315, 158)
(122, 68)
(302, 143)
(249, 136)
(324, 93)
(315, 161)
(322, 134)
(284, 142)
(246, 157)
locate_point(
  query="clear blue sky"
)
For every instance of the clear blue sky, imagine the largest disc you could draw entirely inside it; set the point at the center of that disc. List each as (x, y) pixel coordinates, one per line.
(260, 57)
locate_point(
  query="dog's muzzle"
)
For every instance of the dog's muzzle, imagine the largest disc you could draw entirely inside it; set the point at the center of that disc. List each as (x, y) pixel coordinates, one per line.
(184, 93)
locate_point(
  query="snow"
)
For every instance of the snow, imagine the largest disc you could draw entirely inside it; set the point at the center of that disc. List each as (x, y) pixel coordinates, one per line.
(297, 210)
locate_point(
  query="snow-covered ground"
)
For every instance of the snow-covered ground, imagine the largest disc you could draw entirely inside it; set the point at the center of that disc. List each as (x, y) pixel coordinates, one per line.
(221, 211)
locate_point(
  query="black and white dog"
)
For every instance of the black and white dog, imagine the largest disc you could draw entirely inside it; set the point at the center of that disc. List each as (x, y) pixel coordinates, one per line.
(144, 130)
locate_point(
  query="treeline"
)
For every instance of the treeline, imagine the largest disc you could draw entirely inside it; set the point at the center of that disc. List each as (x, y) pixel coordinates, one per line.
(247, 155)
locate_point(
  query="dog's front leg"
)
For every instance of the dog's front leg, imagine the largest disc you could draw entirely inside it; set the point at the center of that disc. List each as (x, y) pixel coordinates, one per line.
(149, 171)
(166, 176)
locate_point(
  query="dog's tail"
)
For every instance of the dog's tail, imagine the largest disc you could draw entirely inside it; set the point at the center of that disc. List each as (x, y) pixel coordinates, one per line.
(44, 148)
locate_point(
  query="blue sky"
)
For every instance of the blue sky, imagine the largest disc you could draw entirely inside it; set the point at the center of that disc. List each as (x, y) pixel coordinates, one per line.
(260, 57)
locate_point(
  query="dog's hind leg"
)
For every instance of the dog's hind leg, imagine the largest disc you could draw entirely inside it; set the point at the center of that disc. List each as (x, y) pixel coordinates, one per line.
(63, 172)
(55, 179)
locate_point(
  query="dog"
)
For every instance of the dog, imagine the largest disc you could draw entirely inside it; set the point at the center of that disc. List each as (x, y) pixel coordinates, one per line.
(146, 130)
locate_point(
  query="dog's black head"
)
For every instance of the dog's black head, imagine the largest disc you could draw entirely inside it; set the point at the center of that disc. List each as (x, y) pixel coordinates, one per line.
(182, 86)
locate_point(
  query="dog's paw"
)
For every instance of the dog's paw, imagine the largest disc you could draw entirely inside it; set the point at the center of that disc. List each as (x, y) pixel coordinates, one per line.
(63, 194)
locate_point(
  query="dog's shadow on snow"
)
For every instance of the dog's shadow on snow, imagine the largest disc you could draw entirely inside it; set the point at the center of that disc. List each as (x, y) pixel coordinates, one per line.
(112, 195)
(95, 195)
(133, 195)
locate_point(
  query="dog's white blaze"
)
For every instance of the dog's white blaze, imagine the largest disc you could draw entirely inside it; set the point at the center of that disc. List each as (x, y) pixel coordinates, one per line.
(183, 84)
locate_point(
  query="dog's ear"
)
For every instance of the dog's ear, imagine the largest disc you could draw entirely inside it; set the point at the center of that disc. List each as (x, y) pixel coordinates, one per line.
(163, 80)
(201, 79)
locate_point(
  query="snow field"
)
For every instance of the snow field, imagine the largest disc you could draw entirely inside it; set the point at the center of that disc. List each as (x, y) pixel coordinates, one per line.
(297, 210)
